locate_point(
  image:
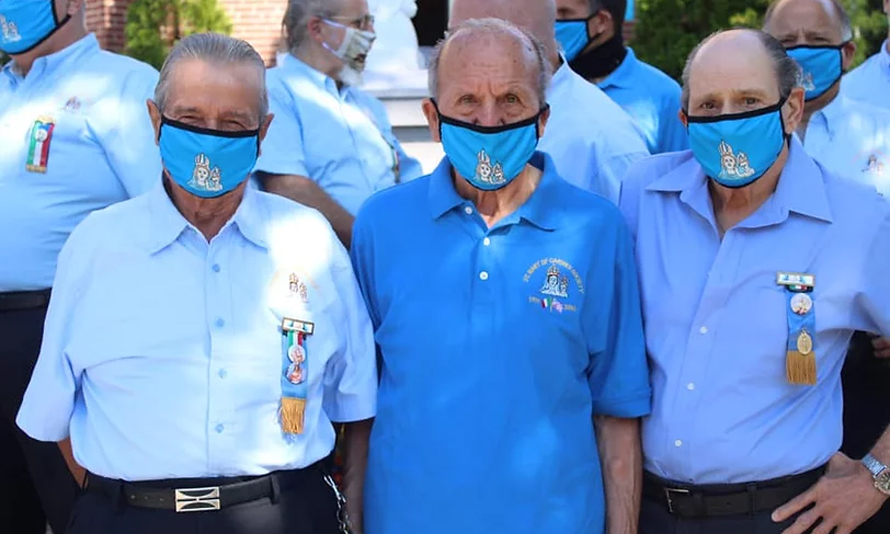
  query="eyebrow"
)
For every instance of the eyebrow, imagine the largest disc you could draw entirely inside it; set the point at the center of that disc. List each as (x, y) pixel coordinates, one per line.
(237, 114)
(735, 93)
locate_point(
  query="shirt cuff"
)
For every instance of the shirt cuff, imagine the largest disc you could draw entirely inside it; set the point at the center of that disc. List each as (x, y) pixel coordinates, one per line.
(638, 404)
(350, 411)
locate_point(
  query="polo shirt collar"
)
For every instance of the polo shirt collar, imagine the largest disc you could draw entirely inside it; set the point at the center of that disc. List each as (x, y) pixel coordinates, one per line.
(53, 63)
(167, 223)
(539, 210)
(623, 75)
(801, 189)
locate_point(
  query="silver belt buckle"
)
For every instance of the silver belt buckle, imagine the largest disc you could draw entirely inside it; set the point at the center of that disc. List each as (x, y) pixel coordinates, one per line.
(667, 494)
(197, 499)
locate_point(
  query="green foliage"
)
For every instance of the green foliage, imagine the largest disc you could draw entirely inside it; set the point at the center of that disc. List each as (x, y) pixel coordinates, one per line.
(155, 26)
(669, 29)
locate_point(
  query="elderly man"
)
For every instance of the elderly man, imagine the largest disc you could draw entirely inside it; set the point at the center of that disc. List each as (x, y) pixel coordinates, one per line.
(507, 319)
(201, 338)
(74, 137)
(331, 145)
(850, 138)
(749, 301)
(870, 82)
(591, 139)
(590, 34)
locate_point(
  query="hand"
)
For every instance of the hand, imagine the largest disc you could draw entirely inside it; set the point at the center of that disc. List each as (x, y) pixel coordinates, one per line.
(882, 347)
(844, 498)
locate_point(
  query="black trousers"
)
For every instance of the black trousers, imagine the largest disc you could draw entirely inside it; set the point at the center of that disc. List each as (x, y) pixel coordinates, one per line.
(866, 382)
(655, 519)
(35, 484)
(309, 507)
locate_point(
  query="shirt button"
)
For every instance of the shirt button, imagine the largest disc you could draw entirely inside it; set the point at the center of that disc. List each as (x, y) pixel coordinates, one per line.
(703, 330)
(486, 241)
(483, 275)
(690, 386)
(678, 443)
(468, 210)
(223, 373)
(220, 322)
(220, 428)
(216, 267)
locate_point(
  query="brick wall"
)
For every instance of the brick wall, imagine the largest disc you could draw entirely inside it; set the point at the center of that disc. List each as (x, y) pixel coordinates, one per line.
(107, 19)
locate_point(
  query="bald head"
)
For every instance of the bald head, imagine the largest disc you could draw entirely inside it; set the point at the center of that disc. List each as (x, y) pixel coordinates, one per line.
(537, 17)
(741, 70)
(808, 22)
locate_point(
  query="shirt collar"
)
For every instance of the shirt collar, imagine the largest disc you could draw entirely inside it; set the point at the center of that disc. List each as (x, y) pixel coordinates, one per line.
(561, 76)
(538, 209)
(623, 75)
(293, 65)
(51, 63)
(884, 57)
(834, 113)
(801, 189)
(167, 223)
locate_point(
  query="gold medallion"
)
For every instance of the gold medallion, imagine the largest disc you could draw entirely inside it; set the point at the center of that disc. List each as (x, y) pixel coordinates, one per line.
(804, 343)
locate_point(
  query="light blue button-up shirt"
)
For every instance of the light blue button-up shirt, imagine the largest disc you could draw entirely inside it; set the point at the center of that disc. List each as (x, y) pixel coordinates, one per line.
(101, 150)
(716, 321)
(870, 82)
(591, 139)
(852, 139)
(341, 139)
(652, 98)
(163, 354)
(496, 347)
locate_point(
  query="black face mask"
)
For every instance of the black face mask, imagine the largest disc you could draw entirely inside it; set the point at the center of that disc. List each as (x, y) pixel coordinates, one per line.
(601, 61)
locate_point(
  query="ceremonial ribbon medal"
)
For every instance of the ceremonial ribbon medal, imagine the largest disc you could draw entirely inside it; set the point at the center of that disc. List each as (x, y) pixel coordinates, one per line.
(38, 149)
(294, 374)
(800, 360)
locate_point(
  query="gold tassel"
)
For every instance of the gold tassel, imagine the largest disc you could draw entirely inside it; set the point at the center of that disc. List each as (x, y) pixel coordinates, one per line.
(800, 368)
(292, 412)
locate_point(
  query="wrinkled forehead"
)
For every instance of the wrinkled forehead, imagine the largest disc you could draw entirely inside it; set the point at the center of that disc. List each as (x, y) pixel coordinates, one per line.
(795, 17)
(732, 67)
(234, 88)
(472, 56)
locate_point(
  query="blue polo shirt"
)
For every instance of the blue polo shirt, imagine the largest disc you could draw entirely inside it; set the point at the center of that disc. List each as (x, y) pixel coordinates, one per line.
(652, 98)
(496, 347)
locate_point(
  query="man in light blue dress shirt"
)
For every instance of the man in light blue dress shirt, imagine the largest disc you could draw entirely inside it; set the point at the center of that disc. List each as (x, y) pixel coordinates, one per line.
(506, 316)
(591, 139)
(870, 82)
(756, 266)
(74, 138)
(331, 145)
(849, 137)
(202, 338)
(590, 33)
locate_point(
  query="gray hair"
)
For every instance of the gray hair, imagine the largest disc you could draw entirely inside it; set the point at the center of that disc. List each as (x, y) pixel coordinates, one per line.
(294, 25)
(788, 72)
(217, 49)
(841, 17)
(498, 27)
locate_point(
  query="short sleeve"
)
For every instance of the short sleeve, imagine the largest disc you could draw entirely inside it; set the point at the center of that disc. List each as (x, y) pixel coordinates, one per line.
(46, 409)
(619, 375)
(282, 151)
(873, 291)
(130, 143)
(361, 251)
(614, 171)
(351, 375)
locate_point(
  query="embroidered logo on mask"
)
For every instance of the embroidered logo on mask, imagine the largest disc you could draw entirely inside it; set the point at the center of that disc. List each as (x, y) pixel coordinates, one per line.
(203, 177)
(10, 31)
(485, 173)
(732, 166)
(807, 83)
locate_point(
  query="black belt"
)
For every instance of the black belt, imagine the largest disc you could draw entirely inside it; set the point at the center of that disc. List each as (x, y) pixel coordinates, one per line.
(201, 495)
(24, 300)
(718, 500)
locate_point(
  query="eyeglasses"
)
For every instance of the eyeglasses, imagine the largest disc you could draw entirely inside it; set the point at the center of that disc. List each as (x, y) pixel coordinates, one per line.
(359, 23)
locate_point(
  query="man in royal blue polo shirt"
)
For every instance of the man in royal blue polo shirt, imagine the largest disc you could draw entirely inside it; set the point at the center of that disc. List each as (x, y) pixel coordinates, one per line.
(507, 318)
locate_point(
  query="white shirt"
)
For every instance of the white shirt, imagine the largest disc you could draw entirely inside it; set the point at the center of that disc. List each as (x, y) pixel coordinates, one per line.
(870, 82)
(852, 139)
(163, 354)
(591, 139)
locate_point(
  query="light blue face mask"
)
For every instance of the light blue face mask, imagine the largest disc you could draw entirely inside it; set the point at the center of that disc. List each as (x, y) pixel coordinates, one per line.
(822, 67)
(24, 24)
(735, 150)
(207, 163)
(571, 34)
(489, 157)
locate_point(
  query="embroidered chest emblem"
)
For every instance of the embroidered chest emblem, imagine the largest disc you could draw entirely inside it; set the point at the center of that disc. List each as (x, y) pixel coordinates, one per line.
(10, 31)
(486, 173)
(555, 284)
(874, 166)
(298, 288)
(732, 165)
(205, 178)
